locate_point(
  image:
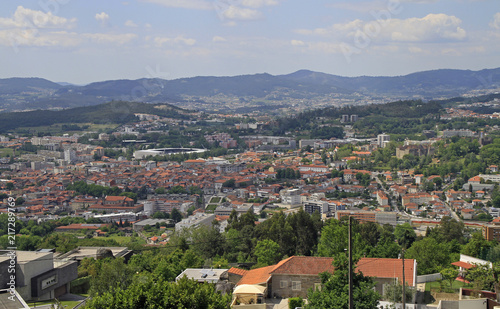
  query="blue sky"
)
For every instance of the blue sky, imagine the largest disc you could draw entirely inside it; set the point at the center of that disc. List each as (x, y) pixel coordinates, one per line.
(84, 41)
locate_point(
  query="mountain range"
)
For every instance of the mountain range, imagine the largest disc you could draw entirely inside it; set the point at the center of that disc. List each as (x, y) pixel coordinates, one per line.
(17, 94)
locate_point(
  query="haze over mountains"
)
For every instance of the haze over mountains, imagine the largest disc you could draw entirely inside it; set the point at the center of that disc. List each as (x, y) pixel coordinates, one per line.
(36, 93)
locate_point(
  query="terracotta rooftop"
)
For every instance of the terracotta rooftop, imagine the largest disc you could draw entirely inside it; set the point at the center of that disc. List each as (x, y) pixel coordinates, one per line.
(308, 265)
(237, 271)
(462, 264)
(257, 276)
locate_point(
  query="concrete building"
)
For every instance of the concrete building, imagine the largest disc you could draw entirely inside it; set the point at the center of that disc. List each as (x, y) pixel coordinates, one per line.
(383, 139)
(491, 232)
(195, 220)
(320, 206)
(203, 274)
(80, 253)
(291, 197)
(460, 133)
(139, 226)
(38, 275)
(116, 217)
(69, 155)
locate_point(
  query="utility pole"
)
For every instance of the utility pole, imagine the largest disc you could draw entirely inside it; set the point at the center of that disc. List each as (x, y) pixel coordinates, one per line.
(404, 283)
(351, 303)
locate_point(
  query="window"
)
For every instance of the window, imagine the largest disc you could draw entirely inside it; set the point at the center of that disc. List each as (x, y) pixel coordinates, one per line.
(283, 284)
(317, 286)
(296, 286)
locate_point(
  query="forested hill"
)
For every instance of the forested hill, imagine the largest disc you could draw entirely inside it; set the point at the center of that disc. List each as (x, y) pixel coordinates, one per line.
(301, 87)
(443, 82)
(371, 116)
(115, 112)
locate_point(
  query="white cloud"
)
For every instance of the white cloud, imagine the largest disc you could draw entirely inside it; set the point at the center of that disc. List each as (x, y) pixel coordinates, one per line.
(186, 4)
(495, 24)
(102, 17)
(416, 50)
(327, 47)
(119, 39)
(451, 52)
(433, 27)
(258, 3)
(341, 29)
(22, 38)
(297, 43)
(362, 7)
(218, 39)
(241, 13)
(27, 18)
(130, 23)
(160, 41)
(419, 1)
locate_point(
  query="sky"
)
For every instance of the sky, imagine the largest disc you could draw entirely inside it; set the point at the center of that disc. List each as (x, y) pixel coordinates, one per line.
(83, 41)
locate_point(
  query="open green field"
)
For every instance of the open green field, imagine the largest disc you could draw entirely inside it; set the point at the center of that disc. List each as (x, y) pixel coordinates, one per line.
(211, 208)
(5, 151)
(215, 199)
(435, 285)
(124, 240)
(59, 129)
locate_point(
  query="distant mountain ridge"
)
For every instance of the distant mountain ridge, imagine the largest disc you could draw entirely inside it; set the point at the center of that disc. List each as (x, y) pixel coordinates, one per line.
(37, 93)
(443, 81)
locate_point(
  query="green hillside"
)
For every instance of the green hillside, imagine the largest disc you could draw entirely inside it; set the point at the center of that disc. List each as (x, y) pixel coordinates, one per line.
(117, 112)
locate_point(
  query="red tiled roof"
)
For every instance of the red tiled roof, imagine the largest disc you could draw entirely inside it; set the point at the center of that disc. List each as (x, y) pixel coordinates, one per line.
(257, 276)
(307, 265)
(237, 271)
(118, 198)
(462, 264)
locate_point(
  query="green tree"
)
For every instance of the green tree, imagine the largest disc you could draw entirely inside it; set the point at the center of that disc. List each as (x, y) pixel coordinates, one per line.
(295, 302)
(335, 289)
(208, 242)
(431, 256)
(482, 277)
(112, 275)
(334, 236)
(476, 245)
(394, 293)
(150, 294)
(405, 235)
(267, 252)
(449, 274)
(230, 183)
(176, 215)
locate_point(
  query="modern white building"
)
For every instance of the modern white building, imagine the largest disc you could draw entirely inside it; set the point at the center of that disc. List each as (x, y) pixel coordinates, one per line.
(383, 139)
(195, 220)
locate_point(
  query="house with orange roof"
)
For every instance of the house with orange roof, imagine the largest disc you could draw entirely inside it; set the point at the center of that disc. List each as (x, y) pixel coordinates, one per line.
(493, 168)
(295, 275)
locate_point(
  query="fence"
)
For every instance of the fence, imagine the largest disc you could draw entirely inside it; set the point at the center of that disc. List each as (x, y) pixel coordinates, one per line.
(429, 278)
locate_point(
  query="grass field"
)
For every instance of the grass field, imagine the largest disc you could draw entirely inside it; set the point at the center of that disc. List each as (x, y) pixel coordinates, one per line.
(57, 128)
(435, 285)
(211, 207)
(124, 240)
(215, 199)
(5, 151)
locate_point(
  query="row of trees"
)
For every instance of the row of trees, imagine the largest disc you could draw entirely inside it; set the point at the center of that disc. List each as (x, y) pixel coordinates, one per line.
(276, 238)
